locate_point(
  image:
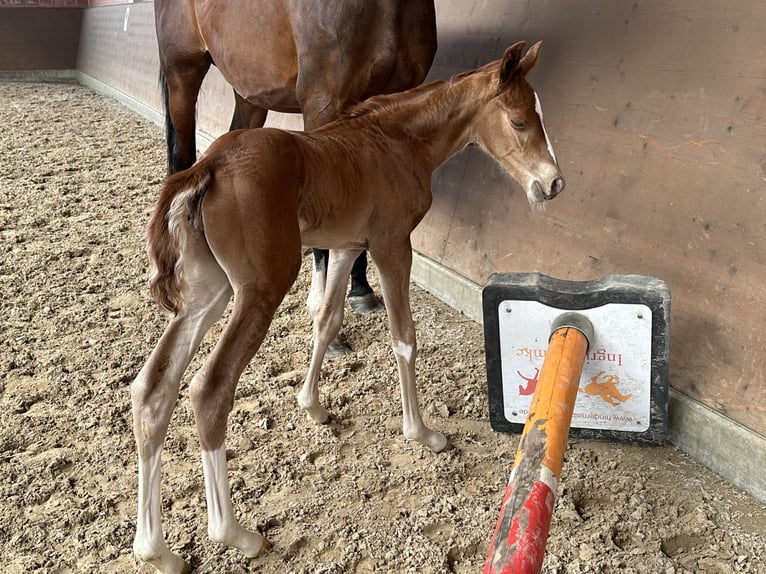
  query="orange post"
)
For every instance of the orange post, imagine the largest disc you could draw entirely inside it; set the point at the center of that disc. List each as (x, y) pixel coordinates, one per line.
(521, 532)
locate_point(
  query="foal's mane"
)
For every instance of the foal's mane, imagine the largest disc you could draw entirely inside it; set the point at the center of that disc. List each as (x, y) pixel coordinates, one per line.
(386, 102)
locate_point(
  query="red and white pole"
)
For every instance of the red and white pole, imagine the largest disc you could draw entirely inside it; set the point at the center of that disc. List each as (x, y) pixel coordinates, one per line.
(521, 532)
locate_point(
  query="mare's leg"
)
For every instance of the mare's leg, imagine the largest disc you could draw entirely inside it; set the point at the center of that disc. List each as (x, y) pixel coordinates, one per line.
(184, 62)
(360, 297)
(155, 390)
(246, 115)
(184, 80)
(394, 262)
(328, 318)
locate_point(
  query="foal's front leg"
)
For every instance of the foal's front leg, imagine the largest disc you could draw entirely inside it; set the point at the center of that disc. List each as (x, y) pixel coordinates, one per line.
(315, 298)
(394, 263)
(328, 318)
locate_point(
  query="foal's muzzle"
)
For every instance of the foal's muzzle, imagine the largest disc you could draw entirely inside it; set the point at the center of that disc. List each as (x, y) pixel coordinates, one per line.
(557, 185)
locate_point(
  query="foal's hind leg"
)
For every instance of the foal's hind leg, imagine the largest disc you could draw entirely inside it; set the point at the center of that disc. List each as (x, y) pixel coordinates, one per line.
(394, 263)
(212, 393)
(328, 318)
(154, 394)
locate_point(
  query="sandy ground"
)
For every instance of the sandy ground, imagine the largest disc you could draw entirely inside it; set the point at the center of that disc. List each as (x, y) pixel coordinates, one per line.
(77, 179)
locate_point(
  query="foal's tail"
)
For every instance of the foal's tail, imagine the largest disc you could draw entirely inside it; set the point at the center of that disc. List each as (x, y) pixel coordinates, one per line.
(178, 208)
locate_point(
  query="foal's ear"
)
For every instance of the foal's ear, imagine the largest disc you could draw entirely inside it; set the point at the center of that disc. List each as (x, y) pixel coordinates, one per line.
(510, 62)
(530, 58)
(513, 65)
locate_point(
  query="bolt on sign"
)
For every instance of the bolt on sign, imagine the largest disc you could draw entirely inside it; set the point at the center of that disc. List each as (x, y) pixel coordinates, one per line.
(623, 390)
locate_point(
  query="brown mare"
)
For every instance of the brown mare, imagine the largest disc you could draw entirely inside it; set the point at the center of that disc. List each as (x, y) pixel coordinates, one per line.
(234, 225)
(309, 56)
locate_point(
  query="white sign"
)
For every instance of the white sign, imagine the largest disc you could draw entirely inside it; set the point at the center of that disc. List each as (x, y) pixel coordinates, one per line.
(615, 387)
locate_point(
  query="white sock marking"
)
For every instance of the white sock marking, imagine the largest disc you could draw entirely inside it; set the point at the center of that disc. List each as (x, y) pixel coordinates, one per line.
(149, 540)
(403, 350)
(220, 515)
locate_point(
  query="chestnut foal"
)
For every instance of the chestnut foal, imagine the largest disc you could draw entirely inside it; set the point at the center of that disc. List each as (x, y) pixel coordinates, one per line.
(234, 225)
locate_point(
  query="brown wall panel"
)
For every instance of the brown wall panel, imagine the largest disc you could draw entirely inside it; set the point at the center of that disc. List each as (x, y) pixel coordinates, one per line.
(39, 38)
(118, 47)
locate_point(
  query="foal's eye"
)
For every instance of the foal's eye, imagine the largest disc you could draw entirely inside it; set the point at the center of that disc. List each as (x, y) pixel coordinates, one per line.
(518, 124)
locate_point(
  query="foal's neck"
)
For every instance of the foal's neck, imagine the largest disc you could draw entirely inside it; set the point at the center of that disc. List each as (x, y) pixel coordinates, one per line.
(436, 118)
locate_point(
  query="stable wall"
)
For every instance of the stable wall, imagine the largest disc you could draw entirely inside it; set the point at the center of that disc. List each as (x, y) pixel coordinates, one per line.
(656, 111)
(39, 35)
(118, 54)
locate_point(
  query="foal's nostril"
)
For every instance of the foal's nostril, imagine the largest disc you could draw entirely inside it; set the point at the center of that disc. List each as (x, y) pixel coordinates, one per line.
(557, 186)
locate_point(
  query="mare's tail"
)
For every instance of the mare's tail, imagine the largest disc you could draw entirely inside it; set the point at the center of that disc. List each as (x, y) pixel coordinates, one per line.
(177, 210)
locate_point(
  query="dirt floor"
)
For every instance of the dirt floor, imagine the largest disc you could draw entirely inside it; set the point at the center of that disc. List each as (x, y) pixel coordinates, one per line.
(77, 179)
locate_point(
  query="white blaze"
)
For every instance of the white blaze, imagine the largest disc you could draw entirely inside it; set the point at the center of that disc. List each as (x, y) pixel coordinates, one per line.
(539, 110)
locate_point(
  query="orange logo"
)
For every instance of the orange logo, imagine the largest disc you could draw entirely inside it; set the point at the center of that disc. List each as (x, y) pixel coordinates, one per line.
(606, 389)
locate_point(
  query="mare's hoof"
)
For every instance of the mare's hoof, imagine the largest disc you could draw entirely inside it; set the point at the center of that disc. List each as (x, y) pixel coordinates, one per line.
(337, 349)
(364, 304)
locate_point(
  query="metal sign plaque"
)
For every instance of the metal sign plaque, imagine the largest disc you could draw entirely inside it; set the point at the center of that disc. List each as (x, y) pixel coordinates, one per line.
(623, 390)
(615, 387)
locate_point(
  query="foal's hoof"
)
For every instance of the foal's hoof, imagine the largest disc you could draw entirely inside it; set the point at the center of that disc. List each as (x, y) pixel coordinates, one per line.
(167, 563)
(250, 543)
(363, 304)
(255, 551)
(337, 349)
(436, 441)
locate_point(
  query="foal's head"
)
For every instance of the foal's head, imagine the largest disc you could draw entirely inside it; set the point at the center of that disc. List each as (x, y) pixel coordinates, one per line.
(510, 127)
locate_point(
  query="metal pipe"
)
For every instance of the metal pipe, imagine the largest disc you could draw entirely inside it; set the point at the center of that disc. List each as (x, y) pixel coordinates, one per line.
(521, 532)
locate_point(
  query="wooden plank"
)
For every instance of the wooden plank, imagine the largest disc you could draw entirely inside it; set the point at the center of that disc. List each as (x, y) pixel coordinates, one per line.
(39, 38)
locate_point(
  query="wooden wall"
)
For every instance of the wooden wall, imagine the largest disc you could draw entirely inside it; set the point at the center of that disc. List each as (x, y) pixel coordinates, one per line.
(118, 47)
(657, 113)
(39, 35)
